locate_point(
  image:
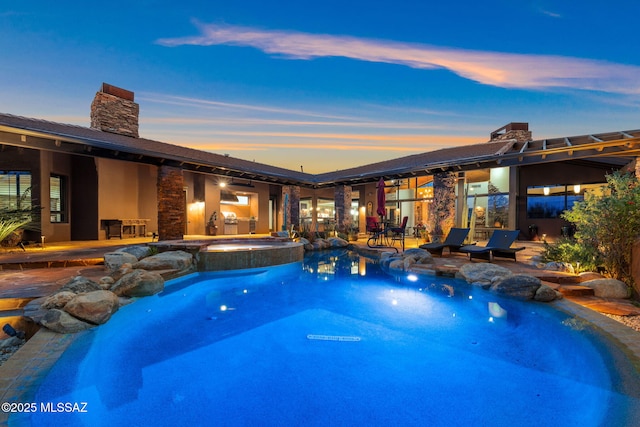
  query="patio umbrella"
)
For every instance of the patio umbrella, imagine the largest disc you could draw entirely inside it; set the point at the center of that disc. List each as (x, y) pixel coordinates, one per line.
(382, 199)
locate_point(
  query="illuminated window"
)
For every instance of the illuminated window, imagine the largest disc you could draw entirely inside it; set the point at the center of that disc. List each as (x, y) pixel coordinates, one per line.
(58, 198)
(15, 190)
(549, 201)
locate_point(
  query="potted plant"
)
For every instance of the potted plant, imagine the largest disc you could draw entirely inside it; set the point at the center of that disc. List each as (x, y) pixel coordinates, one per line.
(212, 228)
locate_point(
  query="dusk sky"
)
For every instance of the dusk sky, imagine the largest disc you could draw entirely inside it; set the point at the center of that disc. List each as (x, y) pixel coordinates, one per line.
(328, 84)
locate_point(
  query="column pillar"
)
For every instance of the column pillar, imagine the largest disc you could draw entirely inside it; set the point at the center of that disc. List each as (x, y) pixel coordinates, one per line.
(290, 207)
(342, 200)
(171, 214)
(443, 210)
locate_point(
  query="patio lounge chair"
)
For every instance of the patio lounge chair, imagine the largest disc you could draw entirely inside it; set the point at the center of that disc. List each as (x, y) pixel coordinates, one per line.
(499, 245)
(453, 242)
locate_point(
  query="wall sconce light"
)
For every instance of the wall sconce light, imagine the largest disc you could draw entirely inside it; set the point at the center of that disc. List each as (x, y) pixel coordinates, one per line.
(546, 191)
(576, 189)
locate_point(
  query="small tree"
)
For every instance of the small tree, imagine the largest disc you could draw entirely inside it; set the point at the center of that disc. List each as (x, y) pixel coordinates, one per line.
(609, 222)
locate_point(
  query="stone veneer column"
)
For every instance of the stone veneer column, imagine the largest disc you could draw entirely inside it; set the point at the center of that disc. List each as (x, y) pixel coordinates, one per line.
(290, 209)
(442, 213)
(114, 111)
(171, 214)
(342, 198)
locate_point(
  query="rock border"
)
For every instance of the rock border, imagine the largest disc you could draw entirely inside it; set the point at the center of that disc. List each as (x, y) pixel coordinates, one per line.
(132, 272)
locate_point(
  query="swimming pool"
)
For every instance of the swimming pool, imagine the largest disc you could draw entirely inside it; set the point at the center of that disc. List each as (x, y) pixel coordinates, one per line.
(335, 341)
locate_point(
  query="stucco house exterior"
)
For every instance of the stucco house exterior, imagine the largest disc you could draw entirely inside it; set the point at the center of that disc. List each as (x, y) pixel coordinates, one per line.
(106, 181)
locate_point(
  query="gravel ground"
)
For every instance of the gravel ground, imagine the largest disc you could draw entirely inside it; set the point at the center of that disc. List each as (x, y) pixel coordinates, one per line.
(8, 347)
(631, 321)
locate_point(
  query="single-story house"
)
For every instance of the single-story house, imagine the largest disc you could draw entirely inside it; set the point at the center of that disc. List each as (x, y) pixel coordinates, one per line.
(105, 181)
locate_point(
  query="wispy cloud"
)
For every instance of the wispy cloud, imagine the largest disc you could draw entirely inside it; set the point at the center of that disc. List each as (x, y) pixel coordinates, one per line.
(508, 70)
(243, 114)
(250, 121)
(230, 106)
(388, 144)
(551, 14)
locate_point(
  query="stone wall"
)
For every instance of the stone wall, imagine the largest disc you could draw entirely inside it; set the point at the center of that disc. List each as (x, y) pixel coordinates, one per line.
(518, 135)
(343, 207)
(171, 214)
(442, 214)
(290, 206)
(113, 110)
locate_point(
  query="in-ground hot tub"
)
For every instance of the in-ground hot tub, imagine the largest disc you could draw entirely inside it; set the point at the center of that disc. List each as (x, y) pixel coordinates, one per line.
(247, 253)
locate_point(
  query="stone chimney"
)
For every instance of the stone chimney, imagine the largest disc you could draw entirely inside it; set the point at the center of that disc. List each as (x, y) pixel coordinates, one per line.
(518, 131)
(113, 110)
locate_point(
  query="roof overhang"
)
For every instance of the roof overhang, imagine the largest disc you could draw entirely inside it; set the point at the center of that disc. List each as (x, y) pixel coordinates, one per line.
(614, 149)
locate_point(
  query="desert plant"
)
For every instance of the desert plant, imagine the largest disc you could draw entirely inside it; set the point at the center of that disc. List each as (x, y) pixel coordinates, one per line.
(569, 250)
(608, 222)
(13, 220)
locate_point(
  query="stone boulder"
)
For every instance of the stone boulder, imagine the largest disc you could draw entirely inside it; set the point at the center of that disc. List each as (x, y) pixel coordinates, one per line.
(139, 251)
(396, 264)
(58, 300)
(116, 275)
(406, 260)
(320, 244)
(482, 274)
(337, 242)
(80, 285)
(546, 294)
(106, 282)
(563, 267)
(138, 283)
(94, 307)
(171, 260)
(608, 288)
(520, 286)
(34, 310)
(589, 275)
(114, 260)
(306, 244)
(62, 322)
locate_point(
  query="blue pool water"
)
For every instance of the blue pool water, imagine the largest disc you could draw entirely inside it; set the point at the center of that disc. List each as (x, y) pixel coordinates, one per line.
(234, 349)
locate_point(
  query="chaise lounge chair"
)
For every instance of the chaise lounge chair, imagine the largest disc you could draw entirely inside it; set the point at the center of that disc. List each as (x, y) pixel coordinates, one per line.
(453, 242)
(499, 245)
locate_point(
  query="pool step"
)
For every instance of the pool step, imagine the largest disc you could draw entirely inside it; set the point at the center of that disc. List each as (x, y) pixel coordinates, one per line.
(611, 306)
(575, 291)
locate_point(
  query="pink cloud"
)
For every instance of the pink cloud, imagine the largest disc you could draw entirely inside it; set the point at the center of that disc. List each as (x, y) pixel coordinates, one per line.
(508, 70)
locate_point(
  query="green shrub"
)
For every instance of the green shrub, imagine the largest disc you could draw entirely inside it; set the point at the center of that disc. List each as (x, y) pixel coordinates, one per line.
(608, 222)
(581, 257)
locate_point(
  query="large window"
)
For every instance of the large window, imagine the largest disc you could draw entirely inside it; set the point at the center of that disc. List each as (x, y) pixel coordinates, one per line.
(15, 190)
(487, 193)
(549, 201)
(58, 198)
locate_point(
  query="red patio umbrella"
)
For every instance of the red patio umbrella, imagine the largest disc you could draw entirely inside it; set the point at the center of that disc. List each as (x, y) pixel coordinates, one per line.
(382, 199)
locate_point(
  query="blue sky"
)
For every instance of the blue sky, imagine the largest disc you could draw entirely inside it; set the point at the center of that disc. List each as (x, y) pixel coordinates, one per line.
(328, 84)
